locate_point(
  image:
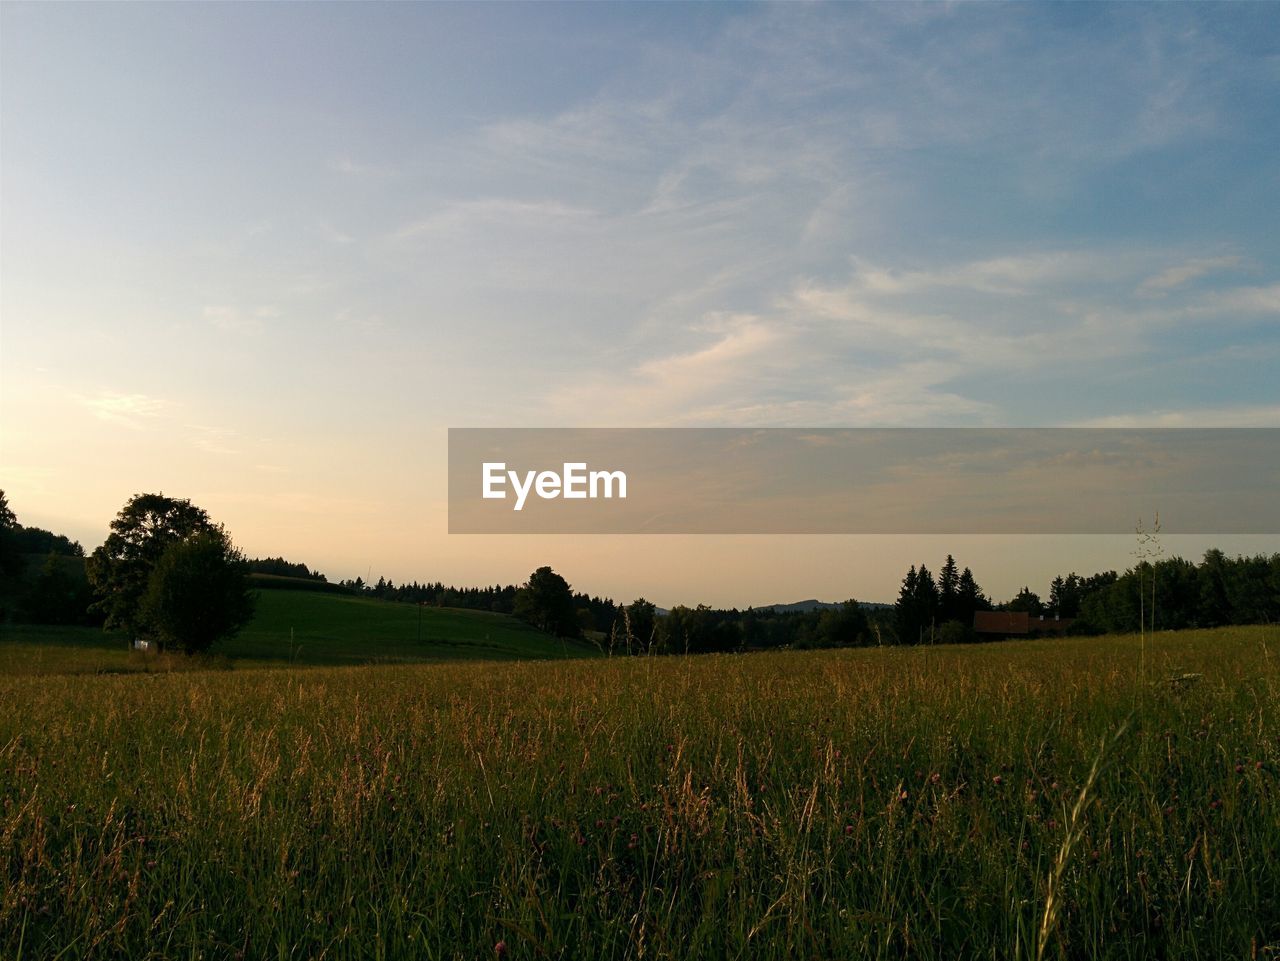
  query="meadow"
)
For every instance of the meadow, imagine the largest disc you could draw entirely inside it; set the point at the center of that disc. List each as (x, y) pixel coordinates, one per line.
(295, 627)
(1061, 799)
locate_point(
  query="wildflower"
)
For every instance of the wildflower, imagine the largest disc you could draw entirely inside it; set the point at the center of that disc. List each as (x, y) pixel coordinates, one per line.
(997, 780)
(1239, 768)
(935, 778)
(848, 829)
(500, 949)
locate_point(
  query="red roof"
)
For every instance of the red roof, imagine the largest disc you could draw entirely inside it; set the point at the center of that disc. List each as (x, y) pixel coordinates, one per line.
(1018, 622)
(1001, 622)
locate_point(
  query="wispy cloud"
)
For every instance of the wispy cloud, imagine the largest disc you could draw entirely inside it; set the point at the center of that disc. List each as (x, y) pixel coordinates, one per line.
(1183, 273)
(1250, 300)
(897, 346)
(230, 319)
(493, 211)
(676, 388)
(1264, 415)
(349, 167)
(211, 440)
(134, 411)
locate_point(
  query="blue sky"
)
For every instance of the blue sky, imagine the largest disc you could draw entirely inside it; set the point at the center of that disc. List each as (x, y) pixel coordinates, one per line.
(262, 255)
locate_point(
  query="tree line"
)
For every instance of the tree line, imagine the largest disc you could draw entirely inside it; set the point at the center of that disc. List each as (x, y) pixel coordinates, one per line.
(1169, 594)
(167, 571)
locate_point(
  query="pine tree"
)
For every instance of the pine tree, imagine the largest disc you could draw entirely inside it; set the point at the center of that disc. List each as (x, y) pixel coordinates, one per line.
(948, 591)
(905, 613)
(969, 598)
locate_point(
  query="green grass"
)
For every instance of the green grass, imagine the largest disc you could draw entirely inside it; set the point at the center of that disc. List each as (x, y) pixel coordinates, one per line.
(299, 628)
(834, 804)
(340, 629)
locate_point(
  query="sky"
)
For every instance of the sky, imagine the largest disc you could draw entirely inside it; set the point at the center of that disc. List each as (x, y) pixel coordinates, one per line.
(263, 255)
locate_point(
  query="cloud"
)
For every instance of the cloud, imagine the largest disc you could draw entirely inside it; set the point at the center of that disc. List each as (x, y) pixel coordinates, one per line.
(677, 388)
(1183, 273)
(240, 320)
(1252, 300)
(494, 211)
(348, 167)
(211, 440)
(134, 411)
(1261, 415)
(893, 346)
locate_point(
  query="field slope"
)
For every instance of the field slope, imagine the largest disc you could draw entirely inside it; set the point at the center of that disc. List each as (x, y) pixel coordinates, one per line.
(300, 628)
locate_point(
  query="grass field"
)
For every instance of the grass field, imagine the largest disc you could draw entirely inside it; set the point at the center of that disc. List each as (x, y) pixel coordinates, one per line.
(838, 804)
(297, 627)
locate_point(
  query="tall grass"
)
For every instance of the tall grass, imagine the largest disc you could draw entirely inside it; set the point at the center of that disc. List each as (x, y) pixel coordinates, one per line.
(879, 803)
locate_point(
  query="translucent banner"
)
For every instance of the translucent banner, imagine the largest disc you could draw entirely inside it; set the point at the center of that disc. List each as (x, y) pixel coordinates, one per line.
(862, 480)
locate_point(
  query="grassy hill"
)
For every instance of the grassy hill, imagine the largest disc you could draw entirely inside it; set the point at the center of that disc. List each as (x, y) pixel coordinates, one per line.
(300, 627)
(322, 628)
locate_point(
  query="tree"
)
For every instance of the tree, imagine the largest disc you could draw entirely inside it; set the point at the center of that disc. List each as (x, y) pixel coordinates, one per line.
(639, 619)
(1026, 600)
(949, 591)
(844, 625)
(55, 597)
(546, 602)
(120, 570)
(917, 607)
(1215, 607)
(905, 616)
(956, 632)
(969, 598)
(10, 552)
(198, 592)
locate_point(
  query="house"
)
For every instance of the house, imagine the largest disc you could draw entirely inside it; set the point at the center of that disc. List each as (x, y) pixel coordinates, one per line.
(998, 624)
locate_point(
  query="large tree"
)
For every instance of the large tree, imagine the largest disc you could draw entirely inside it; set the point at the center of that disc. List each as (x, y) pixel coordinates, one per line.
(546, 602)
(120, 570)
(198, 592)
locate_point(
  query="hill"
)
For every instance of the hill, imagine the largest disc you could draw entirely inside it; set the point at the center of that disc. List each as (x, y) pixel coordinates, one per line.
(302, 627)
(322, 628)
(813, 604)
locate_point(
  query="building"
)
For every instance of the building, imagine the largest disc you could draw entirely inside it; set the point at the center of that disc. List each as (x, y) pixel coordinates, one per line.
(990, 625)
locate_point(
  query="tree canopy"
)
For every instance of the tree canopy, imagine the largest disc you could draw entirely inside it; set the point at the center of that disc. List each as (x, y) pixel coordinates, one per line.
(546, 602)
(168, 572)
(144, 529)
(198, 592)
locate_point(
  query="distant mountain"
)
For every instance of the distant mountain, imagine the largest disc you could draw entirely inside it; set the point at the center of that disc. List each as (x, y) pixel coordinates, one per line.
(813, 604)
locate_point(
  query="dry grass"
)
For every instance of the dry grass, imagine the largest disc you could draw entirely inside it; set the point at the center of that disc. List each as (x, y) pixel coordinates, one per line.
(931, 803)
